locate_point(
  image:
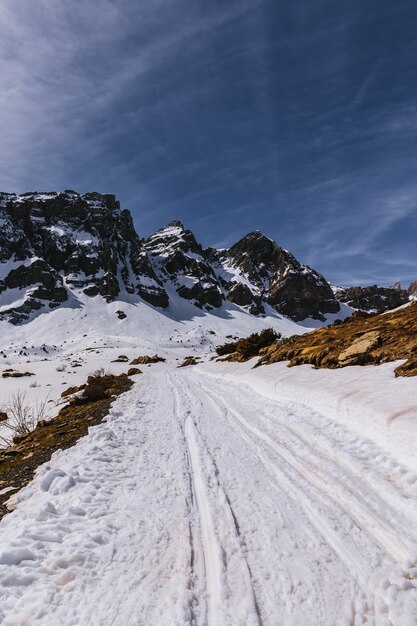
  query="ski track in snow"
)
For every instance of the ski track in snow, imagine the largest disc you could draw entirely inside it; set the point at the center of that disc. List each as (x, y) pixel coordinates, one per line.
(202, 502)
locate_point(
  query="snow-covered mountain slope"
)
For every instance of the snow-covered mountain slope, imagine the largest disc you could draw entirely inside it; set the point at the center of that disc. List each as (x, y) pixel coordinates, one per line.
(209, 499)
(252, 273)
(182, 265)
(53, 244)
(92, 333)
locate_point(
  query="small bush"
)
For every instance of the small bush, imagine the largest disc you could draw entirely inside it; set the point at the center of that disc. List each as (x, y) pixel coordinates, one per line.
(21, 416)
(251, 345)
(132, 371)
(98, 386)
(189, 360)
(103, 386)
(226, 348)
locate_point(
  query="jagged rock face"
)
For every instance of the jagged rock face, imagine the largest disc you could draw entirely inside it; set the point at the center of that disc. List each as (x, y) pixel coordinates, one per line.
(39, 282)
(372, 298)
(396, 286)
(52, 240)
(256, 270)
(412, 290)
(54, 245)
(181, 263)
(251, 273)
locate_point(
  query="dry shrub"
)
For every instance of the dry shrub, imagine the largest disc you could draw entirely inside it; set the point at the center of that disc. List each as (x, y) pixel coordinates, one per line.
(226, 348)
(189, 360)
(99, 386)
(22, 417)
(250, 346)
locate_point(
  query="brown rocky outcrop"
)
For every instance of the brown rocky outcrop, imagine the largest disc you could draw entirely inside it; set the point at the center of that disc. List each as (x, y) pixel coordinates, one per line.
(363, 339)
(147, 360)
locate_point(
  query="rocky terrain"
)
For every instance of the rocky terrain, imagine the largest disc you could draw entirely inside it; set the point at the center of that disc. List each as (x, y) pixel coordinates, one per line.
(412, 290)
(373, 298)
(246, 474)
(362, 339)
(256, 270)
(55, 245)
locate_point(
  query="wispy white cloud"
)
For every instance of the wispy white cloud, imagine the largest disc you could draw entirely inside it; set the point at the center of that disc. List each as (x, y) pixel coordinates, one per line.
(364, 88)
(64, 65)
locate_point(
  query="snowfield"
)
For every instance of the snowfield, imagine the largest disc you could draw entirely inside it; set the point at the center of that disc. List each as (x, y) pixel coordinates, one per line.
(203, 501)
(213, 495)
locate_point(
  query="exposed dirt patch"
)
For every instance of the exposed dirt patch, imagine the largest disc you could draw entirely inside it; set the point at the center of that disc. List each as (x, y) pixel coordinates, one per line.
(19, 462)
(132, 371)
(122, 358)
(189, 360)
(362, 339)
(14, 374)
(146, 360)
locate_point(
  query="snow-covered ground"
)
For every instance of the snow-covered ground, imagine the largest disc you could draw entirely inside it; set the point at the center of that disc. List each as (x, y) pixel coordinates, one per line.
(62, 347)
(216, 494)
(203, 501)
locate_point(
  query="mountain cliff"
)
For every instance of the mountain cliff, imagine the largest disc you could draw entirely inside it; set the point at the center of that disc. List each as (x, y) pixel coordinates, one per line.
(372, 298)
(55, 246)
(53, 243)
(253, 272)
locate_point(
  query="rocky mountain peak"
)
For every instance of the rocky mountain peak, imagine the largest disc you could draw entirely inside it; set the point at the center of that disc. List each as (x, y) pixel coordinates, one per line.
(412, 290)
(59, 246)
(258, 271)
(172, 238)
(53, 243)
(181, 263)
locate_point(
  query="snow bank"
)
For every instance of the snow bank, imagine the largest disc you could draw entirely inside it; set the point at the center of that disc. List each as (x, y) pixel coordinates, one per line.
(368, 400)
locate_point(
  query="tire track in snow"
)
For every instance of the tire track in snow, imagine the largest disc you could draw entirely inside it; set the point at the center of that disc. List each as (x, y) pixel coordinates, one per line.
(351, 555)
(382, 535)
(283, 513)
(399, 546)
(207, 495)
(211, 548)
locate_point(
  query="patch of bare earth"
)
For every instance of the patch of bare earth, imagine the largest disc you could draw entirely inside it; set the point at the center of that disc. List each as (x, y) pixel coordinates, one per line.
(147, 360)
(362, 339)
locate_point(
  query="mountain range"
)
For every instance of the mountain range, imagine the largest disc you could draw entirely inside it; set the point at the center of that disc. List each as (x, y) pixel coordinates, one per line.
(54, 245)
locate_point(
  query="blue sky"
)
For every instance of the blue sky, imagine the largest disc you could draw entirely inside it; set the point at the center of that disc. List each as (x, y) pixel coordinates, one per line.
(294, 117)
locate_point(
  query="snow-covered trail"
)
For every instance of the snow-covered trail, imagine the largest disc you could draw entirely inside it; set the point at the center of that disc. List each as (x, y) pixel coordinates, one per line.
(202, 502)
